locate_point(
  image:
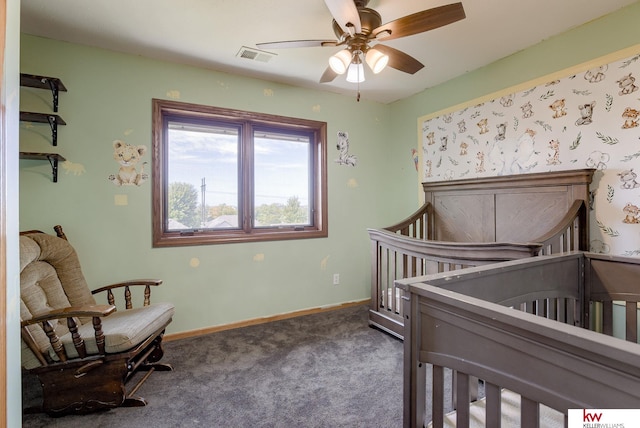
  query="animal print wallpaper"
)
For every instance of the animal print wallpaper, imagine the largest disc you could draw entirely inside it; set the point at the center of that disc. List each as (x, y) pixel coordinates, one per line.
(590, 119)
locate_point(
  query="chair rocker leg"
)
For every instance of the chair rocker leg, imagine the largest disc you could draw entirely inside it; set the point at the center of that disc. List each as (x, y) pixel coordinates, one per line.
(161, 367)
(134, 402)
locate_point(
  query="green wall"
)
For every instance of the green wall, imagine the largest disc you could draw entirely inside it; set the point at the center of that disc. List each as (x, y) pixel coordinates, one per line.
(109, 97)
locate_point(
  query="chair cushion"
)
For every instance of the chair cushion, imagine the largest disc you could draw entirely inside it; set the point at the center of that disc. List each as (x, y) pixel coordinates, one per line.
(50, 278)
(123, 330)
(60, 254)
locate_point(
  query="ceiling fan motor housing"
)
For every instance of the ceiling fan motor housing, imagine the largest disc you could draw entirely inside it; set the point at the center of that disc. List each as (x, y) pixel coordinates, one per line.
(369, 20)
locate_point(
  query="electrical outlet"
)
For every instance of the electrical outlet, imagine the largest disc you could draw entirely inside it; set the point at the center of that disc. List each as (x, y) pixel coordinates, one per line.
(336, 278)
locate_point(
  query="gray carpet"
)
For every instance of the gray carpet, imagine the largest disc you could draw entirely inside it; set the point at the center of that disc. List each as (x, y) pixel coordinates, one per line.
(322, 370)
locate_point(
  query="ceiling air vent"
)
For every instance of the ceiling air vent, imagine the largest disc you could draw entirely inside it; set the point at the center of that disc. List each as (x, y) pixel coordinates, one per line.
(254, 54)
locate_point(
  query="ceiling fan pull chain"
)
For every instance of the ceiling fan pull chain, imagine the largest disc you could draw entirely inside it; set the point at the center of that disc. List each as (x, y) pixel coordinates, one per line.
(358, 97)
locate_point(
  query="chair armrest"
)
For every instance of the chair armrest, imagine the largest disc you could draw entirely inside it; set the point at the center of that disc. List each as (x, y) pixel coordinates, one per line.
(128, 283)
(72, 311)
(127, 293)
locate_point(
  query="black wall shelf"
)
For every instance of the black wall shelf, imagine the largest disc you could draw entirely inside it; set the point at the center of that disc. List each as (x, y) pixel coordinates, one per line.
(52, 119)
(53, 159)
(54, 84)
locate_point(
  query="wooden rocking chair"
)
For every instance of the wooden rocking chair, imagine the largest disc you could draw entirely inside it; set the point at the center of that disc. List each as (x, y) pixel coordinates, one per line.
(83, 353)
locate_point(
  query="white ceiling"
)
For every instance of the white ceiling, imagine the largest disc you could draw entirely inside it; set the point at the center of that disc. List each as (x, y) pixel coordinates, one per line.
(209, 33)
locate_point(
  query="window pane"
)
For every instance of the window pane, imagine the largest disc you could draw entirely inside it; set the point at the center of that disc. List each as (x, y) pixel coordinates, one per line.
(224, 176)
(282, 179)
(202, 175)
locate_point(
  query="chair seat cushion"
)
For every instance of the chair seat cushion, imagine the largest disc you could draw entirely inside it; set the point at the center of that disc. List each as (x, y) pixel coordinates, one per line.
(123, 329)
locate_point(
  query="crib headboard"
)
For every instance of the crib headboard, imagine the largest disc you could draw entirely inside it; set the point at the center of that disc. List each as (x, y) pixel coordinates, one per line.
(513, 208)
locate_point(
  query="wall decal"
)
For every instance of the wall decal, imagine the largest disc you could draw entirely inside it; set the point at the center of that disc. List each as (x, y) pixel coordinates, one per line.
(194, 262)
(128, 157)
(268, 92)
(75, 168)
(120, 200)
(173, 94)
(258, 257)
(416, 159)
(344, 158)
(324, 262)
(590, 118)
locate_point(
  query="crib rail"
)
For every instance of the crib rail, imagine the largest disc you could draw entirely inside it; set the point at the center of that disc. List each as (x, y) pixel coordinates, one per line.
(406, 249)
(396, 256)
(417, 225)
(467, 323)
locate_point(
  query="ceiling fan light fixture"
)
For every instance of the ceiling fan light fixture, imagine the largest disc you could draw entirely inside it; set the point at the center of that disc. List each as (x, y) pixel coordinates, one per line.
(376, 60)
(355, 74)
(340, 61)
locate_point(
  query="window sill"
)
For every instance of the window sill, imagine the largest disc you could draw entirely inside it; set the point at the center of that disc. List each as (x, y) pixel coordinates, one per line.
(179, 239)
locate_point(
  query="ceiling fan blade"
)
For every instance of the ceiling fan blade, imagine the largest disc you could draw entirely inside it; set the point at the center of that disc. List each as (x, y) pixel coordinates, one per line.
(420, 22)
(345, 12)
(400, 60)
(297, 44)
(328, 75)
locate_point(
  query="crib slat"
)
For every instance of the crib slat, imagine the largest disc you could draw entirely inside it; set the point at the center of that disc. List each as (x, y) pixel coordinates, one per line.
(462, 400)
(552, 309)
(530, 307)
(529, 413)
(384, 269)
(607, 318)
(430, 267)
(423, 266)
(393, 275)
(572, 312)
(437, 402)
(494, 404)
(632, 322)
(562, 310)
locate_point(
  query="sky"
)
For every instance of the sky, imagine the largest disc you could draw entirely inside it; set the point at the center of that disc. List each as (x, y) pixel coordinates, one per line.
(281, 166)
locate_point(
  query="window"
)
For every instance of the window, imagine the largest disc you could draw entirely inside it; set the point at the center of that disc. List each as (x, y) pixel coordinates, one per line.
(222, 175)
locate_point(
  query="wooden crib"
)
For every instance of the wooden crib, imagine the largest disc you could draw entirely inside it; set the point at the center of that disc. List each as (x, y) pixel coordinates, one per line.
(539, 328)
(475, 222)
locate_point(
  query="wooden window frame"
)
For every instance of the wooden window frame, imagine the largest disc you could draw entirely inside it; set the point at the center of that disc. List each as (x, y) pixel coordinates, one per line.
(163, 110)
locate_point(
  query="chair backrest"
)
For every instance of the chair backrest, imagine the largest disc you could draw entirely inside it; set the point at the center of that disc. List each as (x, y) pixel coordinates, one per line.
(50, 278)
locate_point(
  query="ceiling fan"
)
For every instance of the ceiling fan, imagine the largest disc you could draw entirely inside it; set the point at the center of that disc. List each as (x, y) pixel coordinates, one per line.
(359, 29)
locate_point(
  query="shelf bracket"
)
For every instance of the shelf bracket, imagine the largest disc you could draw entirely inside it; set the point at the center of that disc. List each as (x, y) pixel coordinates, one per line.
(53, 160)
(54, 129)
(54, 91)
